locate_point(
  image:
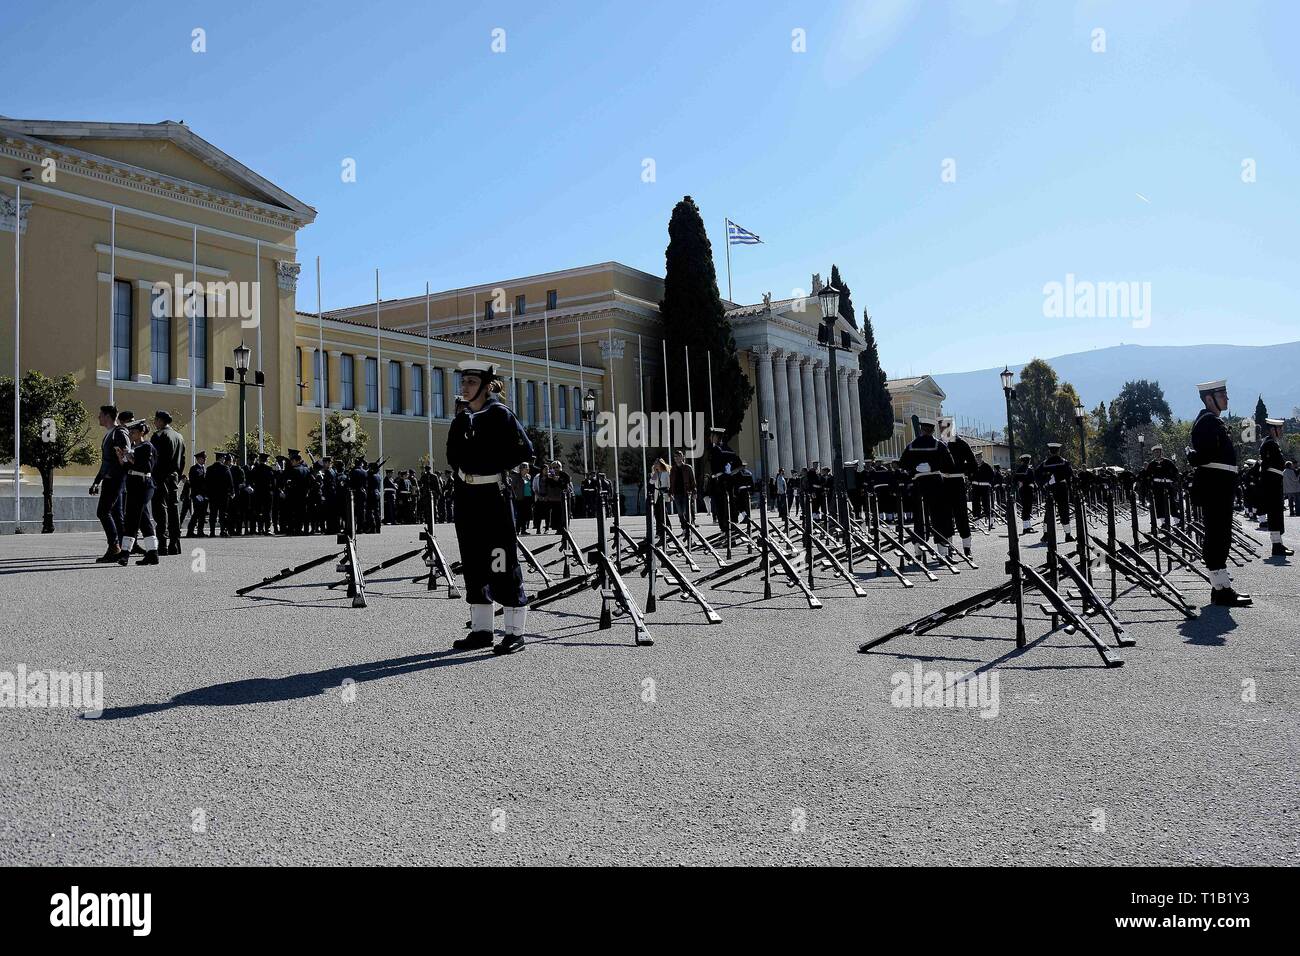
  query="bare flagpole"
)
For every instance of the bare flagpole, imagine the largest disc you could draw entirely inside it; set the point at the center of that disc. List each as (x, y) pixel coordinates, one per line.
(640, 371)
(261, 424)
(428, 373)
(668, 424)
(550, 397)
(726, 241)
(709, 356)
(379, 387)
(112, 302)
(18, 323)
(194, 326)
(582, 391)
(618, 490)
(514, 378)
(322, 372)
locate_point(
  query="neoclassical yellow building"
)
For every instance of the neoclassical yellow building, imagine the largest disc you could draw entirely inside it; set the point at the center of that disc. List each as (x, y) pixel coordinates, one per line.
(145, 255)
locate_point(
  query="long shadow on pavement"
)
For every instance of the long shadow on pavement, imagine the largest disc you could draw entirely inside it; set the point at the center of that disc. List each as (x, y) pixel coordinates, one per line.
(1209, 629)
(264, 690)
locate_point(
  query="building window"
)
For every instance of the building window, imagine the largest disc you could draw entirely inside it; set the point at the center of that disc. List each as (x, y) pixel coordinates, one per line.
(372, 385)
(297, 373)
(160, 338)
(417, 390)
(198, 339)
(552, 299)
(546, 404)
(520, 306)
(346, 376)
(395, 387)
(123, 330)
(562, 406)
(577, 408)
(456, 390)
(320, 385)
(435, 387)
(488, 313)
(530, 403)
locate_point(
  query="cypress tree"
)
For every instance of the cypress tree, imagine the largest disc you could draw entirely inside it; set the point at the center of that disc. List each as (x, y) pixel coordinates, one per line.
(692, 315)
(846, 297)
(873, 395)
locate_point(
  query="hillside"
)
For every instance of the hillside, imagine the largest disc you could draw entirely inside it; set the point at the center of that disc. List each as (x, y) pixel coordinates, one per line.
(1270, 370)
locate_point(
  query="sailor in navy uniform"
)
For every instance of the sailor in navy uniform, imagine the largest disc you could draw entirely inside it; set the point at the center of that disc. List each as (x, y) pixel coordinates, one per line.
(485, 442)
(955, 483)
(722, 462)
(1022, 480)
(139, 461)
(1215, 487)
(108, 482)
(1055, 477)
(982, 483)
(928, 461)
(1272, 466)
(1161, 478)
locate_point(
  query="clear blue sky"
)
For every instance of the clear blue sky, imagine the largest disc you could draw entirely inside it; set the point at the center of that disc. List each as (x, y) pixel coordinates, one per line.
(474, 166)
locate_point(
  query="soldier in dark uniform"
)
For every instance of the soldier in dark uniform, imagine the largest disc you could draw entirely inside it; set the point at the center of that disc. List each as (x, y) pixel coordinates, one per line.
(484, 443)
(1055, 476)
(167, 475)
(329, 490)
(297, 486)
(722, 462)
(219, 489)
(262, 479)
(279, 495)
(138, 516)
(374, 496)
(428, 491)
(955, 485)
(197, 489)
(239, 497)
(1022, 481)
(983, 482)
(358, 479)
(926, 460)
(109, 481)
(742, 491)
(1160, 476)
(1272, 467)
(1214, 487)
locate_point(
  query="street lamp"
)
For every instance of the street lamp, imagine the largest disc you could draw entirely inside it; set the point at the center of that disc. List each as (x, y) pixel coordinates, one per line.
(1013, 539)
(242, 355)
(829, 299)
(1079, 413)
(764, 436)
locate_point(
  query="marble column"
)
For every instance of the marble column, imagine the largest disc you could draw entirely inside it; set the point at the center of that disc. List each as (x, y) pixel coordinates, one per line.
(782, 413)
(797, 443)
(855, 417)
(823, 414)
(766, 401)
(846, 441)
(809, 409)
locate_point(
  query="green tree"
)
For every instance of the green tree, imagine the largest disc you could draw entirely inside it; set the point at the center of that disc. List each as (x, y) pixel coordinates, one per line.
(1043, 411)
(693, 317)
(54, 429)
(873, 394)
(345, 436)
(1139, 404)
(230, 444)
(1261, 413)
(1098, 451)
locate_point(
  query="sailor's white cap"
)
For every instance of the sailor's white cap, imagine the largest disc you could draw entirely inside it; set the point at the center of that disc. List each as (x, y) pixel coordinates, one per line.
(481, 367)
(1277, 422)
(1214, 386)
(927, 421)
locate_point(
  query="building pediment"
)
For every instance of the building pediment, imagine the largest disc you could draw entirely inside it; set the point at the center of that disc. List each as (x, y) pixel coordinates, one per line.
(166, 154)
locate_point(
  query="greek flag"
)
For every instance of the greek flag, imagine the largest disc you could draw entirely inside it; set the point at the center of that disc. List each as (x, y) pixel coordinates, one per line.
(740, 236)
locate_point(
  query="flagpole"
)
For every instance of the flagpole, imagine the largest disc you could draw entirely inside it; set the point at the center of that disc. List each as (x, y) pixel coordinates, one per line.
(709, 356)
(514, 378)
(261, 425)
(582, 391)
(112, 302)
(726, 238)
(194, 326)
(321, 371)
(549, 405)
(379, 387)
(428, 373)
(618, 490)
(645, 471)
(668, 424)
(18, 321)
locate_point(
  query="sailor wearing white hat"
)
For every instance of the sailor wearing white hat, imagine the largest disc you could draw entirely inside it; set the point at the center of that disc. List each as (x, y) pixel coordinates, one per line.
(485, 442)
(1214, 487)
(1272, 467)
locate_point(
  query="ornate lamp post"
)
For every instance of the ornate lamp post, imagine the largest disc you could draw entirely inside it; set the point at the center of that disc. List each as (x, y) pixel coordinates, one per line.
(1013, 540)
(242, 354)
(1079, 414)
(829, 299)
